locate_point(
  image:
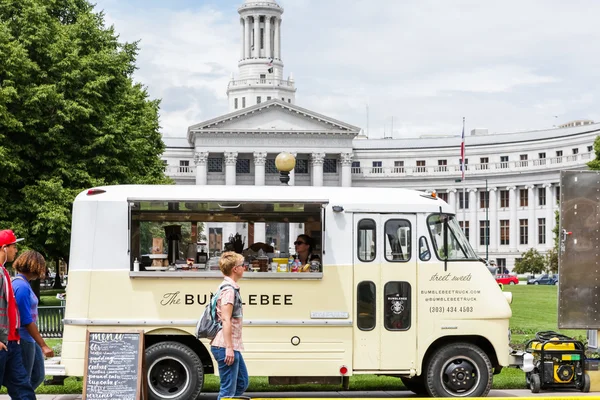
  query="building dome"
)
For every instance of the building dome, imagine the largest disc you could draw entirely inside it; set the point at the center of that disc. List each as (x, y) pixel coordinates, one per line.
(259, 1)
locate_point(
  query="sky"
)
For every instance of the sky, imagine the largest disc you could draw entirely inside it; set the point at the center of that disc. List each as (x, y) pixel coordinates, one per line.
(417, 66)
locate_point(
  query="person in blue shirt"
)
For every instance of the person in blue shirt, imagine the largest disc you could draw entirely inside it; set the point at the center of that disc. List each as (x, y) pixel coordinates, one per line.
(30, 266)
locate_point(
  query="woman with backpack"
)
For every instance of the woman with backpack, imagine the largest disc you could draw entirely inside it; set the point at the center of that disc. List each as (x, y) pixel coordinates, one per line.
(227, 345)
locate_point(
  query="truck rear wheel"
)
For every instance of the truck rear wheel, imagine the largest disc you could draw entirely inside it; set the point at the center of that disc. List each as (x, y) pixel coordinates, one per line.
(174, 372)
(459, 370)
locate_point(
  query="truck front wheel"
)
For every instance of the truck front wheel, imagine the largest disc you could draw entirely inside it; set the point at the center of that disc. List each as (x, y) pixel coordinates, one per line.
(174, 372)
(459, 370)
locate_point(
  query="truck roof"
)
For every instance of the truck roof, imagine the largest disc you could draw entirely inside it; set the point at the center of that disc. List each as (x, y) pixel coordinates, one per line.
(356, 199)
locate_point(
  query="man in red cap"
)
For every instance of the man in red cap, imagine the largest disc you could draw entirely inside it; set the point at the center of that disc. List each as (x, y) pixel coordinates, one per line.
(12, 372)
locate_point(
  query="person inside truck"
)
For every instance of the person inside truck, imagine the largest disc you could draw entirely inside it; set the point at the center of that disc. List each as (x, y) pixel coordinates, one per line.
(304, 249)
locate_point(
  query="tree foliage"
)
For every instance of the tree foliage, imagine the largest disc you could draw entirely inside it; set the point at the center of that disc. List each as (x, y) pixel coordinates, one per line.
(531, 262)
(595, 163)
(71, 117)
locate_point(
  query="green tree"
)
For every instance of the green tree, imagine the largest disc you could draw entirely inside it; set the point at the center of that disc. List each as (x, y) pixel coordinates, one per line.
(71, 117)
(531, 262)
(595, 163)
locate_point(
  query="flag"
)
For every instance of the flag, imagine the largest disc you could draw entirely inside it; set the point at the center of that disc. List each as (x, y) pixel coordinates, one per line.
(270, 64)
(462, 152)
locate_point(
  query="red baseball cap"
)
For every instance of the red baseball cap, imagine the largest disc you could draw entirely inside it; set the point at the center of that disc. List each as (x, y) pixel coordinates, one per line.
(7, 237)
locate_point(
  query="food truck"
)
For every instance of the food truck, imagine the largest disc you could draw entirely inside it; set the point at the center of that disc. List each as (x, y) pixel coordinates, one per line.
(397, 290)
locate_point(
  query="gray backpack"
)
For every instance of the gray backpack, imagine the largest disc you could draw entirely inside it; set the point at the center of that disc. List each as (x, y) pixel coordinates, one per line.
(208, 326)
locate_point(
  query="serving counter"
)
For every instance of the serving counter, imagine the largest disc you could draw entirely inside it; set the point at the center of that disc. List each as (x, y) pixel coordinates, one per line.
(218, 274)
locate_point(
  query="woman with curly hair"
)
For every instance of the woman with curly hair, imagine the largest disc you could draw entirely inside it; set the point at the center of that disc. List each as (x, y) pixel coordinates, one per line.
(30, 266)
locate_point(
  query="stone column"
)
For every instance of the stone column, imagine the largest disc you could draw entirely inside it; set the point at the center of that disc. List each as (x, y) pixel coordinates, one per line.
(200, 159)
(256, 53)
(532, 225)
(230, 161)
(473, 226)
(346, 161)
(493, 213)
(268, 36)
(259, 168)
(514, 222)
(550, 219)
(247, 37)
(452, 199)
(243, 42)
(277, 38)
(317, 168)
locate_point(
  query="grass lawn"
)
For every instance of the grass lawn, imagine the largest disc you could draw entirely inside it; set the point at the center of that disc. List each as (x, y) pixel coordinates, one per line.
(534, 309)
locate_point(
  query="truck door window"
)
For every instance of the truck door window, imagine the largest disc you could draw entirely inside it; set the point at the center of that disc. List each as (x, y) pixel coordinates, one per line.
(397, 307)
(397, 241)
(365, 306)
(424, 253)
(458, 245)
(366, 240)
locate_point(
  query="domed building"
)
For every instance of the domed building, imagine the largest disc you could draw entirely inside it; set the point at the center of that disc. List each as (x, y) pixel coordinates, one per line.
(506, 203)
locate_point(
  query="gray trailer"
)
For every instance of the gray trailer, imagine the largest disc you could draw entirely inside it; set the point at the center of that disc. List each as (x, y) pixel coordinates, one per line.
(578, 265)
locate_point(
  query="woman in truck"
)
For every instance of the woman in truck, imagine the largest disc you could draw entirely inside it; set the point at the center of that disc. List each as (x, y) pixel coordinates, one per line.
(304, 249)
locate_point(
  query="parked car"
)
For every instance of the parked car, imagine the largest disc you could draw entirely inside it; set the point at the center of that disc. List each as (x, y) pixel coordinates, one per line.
(543, 280)
(507, 279)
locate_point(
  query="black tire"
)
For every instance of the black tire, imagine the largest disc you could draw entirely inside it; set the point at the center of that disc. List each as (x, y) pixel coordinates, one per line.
(174, 372)
(459, 370)
(415, 385)
(535, 383)
(585, 387)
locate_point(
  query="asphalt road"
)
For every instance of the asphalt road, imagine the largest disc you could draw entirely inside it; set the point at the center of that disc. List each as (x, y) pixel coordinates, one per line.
(571, 394)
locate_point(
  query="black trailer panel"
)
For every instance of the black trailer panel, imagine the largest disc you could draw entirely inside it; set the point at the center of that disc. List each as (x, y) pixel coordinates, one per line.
(579, 234)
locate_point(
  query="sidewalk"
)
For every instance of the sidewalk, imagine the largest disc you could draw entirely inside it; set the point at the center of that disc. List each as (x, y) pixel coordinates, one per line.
(351, 394)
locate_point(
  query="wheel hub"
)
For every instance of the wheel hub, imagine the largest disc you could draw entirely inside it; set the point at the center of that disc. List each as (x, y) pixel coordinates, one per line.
(459, 376)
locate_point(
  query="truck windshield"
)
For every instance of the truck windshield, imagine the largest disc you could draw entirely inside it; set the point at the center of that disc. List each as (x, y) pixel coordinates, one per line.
(458, 245)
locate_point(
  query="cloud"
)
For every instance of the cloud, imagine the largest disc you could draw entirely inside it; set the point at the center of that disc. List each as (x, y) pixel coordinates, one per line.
(425, 63)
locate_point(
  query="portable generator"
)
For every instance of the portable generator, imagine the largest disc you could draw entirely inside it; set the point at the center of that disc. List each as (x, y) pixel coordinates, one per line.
(559, 362)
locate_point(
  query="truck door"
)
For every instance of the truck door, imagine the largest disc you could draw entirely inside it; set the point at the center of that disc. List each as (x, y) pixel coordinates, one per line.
(385, 265)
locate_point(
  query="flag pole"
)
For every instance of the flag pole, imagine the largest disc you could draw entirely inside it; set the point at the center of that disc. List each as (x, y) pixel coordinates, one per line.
(463, 180)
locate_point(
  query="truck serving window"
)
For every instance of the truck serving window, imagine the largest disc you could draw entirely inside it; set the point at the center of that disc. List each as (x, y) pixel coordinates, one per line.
(458, 245)
(191, 236)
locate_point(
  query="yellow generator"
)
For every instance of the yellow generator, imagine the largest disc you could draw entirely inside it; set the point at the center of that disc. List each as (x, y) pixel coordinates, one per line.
(559, 363)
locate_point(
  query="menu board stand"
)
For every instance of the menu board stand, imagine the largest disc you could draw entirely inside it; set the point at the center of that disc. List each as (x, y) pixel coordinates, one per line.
(114, 365)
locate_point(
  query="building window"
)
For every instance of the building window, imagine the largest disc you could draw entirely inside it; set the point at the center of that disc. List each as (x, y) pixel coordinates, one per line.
(590, 149)
(215, 165)
(420, 166)
(523, 158)
(442, 165)
(575, 151)
(542, 230)
(559, 153)
(463, 201)
(282, 99)
(503, 161)
(557, 194)
(377, 167)
(301, 166)
(484, 233)
(258, 99)
(235, 103)
(290, 101)
(484, 162)
(356, 167)
(270, 167)
(542, 196)
(465, 227)
(399, 167)
(443, 196)
(501, 264)
(330, 166)
(262, 38)
(184, 166)
(524, 197)
(466, 164)
(504, 232)
(484, 199)
(504, 199)
(243, 102)
(268, 98)
(165, 164)
(541, 156)
(523, 231)
(242, 166)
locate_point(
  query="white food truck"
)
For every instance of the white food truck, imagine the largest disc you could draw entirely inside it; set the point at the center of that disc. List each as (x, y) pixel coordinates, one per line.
(398, 290)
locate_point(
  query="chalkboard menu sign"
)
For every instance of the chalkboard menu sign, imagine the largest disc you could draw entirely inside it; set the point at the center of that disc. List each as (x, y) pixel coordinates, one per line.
(114, 366)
